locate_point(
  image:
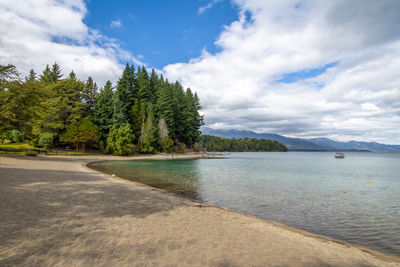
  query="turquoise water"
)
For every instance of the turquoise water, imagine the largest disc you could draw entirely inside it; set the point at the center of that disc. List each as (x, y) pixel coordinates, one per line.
(300, 189)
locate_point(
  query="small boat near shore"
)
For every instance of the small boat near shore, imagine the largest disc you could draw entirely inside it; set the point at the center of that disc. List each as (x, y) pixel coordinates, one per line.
(339, 155)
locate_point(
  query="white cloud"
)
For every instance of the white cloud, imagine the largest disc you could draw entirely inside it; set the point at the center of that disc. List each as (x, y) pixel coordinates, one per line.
(36, 33)
(202, 9)
(116, 23)
(239, 86)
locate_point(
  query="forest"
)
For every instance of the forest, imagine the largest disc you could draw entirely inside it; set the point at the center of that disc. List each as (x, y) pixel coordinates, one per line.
(141, 113)
(219, 144)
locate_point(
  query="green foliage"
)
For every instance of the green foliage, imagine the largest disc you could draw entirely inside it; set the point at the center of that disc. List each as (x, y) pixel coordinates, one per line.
(46, 140)
(8, 73)
(119, 115)
(167, 144)
(16, 136)
(214, 143)
(81, 133)
(120, 141)
(89, 95)
(20, 105)
(125, 95)
(180, 148)
(52, 75)
(103, 111)
(16, 146)
(145, 113)
(149, 133)
(146, 146)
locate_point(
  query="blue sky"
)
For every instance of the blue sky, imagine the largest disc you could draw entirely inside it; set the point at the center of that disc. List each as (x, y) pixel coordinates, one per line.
(162, 32)
(300, 68)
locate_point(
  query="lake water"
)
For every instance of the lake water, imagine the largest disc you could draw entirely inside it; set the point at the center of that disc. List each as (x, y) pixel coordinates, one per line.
(300, 189)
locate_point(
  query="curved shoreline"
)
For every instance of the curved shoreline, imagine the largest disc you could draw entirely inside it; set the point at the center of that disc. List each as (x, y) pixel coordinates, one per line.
(324, 238)
(57, 211)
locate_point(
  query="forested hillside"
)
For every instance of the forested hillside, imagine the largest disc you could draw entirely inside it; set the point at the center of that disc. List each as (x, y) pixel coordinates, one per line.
(219, 144)
(142, 113)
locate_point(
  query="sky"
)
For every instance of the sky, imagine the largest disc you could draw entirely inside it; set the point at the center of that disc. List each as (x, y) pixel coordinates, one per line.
(300, 68)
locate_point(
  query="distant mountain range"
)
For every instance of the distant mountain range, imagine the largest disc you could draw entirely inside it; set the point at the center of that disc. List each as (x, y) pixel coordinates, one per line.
(313, 144)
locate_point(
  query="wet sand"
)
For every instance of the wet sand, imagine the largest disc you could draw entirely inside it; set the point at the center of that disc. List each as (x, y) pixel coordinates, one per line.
(55, 211)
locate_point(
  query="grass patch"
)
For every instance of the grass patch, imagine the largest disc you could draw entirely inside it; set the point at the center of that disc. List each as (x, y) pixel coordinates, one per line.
(69, 153)
(12, 153)
(16, 146)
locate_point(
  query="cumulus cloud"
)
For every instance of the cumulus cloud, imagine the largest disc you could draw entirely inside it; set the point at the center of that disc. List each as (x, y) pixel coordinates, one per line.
(36, 33)
(358, 97)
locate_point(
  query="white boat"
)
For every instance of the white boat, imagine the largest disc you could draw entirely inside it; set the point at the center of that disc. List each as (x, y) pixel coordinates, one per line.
(339, 155)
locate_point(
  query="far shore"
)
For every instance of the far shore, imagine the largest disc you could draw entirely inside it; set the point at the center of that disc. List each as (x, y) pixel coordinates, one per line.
(58, 212)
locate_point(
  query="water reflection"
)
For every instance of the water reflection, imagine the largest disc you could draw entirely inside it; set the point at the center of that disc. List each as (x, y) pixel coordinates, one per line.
(178, 176)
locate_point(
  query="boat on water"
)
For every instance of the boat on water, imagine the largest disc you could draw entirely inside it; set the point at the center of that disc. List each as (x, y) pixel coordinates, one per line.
(339, 155)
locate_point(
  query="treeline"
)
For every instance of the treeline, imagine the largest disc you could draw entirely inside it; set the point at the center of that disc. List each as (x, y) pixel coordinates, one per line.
(142, 113)
(219, 144)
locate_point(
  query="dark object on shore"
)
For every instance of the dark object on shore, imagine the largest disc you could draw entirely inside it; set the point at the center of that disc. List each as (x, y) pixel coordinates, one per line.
(31, 153)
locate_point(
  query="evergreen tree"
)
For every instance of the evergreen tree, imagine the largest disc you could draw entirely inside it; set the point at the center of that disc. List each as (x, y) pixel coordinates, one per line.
(143, 85)
(149, 139)
(55, 72)
(126, 93)
(165, 108)
(154, 85)
(8, 73)
(104, 109)
(46, 76)
(119, 115)
(31, 77)
(51, 75)
(89, 95)
(72, 75)
(178, 105)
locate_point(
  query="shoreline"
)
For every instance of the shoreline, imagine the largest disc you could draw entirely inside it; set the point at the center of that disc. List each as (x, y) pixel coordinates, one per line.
(324, 238)
(290, 242)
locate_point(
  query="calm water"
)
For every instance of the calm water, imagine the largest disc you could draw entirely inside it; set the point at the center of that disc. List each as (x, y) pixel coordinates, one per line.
(300, 189)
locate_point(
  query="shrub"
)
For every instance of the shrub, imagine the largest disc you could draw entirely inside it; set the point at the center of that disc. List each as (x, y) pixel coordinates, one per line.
(16, 136)
(120, 141)
(146, 146)
(46, 140)
(167, 144)
(180, 148)
(31, 153)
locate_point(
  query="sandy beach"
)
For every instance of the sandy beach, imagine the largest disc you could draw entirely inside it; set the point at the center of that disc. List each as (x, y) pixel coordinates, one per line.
(55, 211)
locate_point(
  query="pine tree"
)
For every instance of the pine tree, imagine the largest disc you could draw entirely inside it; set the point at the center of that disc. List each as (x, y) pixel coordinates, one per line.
(8, 73)
(55, 72)
(31, 77)
(178, 105)
(154, 85)
(72, 75)
(143, 85)
(46, 76)
(89, 95)
(119, 115)
(104, 109)
(126, 92)
(164, 108)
